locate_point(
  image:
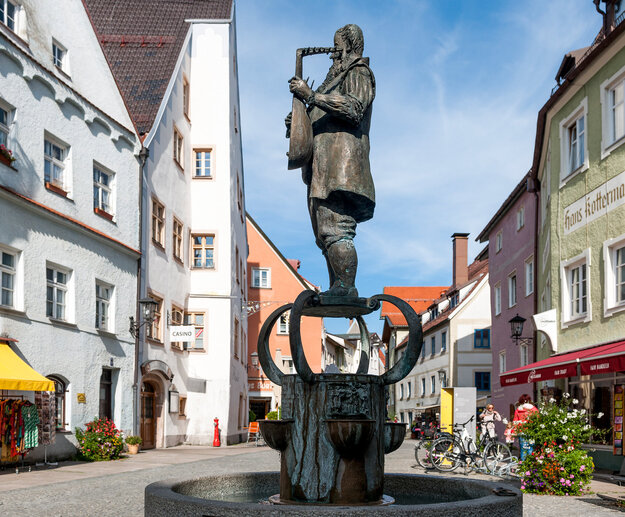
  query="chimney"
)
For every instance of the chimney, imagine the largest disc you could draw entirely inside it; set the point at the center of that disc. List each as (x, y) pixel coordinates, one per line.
(460, 266)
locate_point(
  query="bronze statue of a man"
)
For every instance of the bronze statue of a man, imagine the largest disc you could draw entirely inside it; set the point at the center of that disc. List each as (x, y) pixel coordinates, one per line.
(338, 175)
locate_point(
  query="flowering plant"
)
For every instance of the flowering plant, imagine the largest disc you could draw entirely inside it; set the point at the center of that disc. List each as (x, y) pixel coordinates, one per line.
(100, 441)
(557, 465)
(6, 153)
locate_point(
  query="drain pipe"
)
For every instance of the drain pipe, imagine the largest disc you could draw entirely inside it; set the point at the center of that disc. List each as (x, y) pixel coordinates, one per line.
(143, 156)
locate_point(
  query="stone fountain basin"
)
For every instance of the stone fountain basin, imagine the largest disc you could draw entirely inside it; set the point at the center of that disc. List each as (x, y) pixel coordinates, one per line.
(238, 495)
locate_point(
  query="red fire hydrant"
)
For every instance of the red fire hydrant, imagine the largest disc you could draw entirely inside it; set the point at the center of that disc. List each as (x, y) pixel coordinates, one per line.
(216, 442)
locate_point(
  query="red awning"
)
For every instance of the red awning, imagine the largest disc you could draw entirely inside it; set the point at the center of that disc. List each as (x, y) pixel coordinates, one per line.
(599, 359)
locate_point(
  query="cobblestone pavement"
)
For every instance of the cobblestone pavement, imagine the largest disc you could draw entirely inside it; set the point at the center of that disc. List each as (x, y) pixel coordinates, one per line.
(116, 488)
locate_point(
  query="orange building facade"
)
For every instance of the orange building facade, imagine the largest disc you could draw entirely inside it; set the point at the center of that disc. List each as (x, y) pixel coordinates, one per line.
(273, 281)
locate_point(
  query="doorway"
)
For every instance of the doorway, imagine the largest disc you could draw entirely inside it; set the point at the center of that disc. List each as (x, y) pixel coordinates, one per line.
(148, 416)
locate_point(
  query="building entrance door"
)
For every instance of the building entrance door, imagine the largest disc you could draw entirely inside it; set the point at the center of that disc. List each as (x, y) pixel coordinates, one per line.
(260, 407)
(148, 416)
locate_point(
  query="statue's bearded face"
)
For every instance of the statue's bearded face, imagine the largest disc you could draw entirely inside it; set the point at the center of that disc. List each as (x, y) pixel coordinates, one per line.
(340, 55)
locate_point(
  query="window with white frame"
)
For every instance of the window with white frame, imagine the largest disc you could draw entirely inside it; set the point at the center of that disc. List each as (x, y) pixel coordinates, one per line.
(178, 148)
(4, 125)
(498, 241)
(512, 290)
(103, 294)
(497, 292)
(529, 276)
(575, 281)
(443, 341)
(55, 156)
(520, 218)
(59, 56)
(614, 269)
(573, 142)
(524, 353)
(261, 277)
(502, 362)
(612, 112)
(8, 14)
(433, 384)
(203, 163)
(56, 292)
(8, 274)
(616, 112)
(283, 323)
(422, 386)
(102, 183)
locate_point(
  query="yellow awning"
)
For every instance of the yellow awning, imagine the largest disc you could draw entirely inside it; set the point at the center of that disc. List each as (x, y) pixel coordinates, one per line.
(15, 374)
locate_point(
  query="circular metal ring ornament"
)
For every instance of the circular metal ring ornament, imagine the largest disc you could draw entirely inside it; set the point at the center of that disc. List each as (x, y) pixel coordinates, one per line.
(271, 370)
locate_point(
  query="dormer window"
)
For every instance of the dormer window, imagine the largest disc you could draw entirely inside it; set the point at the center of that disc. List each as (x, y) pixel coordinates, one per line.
(434, 313)
(8, 14)
(453, 300)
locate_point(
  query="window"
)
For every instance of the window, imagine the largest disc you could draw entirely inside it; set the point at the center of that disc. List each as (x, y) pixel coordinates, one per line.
(454, 300)
(237, 338)
(153, 330)
(106, 394)
(283, 323)
(261, 278)
(422, 386)
(401, 391)
(8, 14)
(617, 113)
(4, 125)
(434, 313)
(423, 350)
(529, 276)
(177, 239)
(443, 341)
(158, 223)
(55, 155)
(8, 270)
(512, 290)
(498, 241)
(59, 396)
(178, 148)
(433, 345)
(520, 218)
(59, 56)
(481, 338)
(103, 294)
(177, 317)
(102, 190)
(182, 406)
(185, 97)
(502, 362)
(614, 264)
(197, 320)
(203, 163)
(433, 384)
(497, 299)
(524, 353)
(204, 251)
(573, 142)
(612, 112)
(482, 380)
(575, 288)
(56, 293)
(409, 394)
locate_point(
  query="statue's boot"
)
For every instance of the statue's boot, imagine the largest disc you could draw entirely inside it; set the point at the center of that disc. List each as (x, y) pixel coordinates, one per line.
(343, 260)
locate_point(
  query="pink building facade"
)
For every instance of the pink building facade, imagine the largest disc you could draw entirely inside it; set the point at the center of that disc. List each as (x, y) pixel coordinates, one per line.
(512, 264)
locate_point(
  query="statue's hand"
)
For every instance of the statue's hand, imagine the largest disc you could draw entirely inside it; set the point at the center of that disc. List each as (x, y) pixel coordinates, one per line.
(299, 88)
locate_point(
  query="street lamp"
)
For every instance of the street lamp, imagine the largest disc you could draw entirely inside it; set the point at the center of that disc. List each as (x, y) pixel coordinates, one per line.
(442, 378)
(516, 330)
(148, 309)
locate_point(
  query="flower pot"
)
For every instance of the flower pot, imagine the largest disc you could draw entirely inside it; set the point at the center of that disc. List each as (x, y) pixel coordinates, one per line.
(5, 160)
(133, 448)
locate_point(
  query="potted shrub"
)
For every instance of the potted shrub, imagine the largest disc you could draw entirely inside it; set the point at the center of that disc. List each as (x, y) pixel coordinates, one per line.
(99, 441)
(133, 443)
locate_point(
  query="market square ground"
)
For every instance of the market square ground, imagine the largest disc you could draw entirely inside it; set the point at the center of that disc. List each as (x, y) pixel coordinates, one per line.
(116, 488)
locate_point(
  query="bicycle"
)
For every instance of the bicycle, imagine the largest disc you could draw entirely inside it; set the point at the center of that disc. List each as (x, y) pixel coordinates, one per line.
(450, 452)
(422, 450)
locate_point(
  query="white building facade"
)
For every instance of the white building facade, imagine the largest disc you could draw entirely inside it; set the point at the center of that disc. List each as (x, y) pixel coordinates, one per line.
(69, 234)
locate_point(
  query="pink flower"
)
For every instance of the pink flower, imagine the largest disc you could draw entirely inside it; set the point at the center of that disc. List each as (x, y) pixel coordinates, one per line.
(561, 468)
(571, 476)
(528, 473)
(562, 481)
(522, 487)
(582, 468)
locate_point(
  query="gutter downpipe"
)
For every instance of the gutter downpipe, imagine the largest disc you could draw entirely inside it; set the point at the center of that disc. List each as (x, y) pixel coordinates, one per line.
(143, 156)
(537, 212)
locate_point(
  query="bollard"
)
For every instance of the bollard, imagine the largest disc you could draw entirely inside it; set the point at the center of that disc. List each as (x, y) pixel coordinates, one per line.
(216, 442)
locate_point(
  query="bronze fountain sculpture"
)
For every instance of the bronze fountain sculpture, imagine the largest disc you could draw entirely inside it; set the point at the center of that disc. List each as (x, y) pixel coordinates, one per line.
(333, 435)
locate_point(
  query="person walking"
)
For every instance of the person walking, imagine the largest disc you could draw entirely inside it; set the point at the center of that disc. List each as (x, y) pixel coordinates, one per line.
(487, 418)
(521, 414)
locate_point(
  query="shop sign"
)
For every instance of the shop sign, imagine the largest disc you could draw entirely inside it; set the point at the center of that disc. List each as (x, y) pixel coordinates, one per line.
(259, 386)
(184, 333)
(600, 201)
(81, 398)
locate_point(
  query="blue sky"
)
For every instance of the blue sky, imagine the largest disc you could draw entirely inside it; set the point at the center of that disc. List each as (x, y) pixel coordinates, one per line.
(459, 86)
